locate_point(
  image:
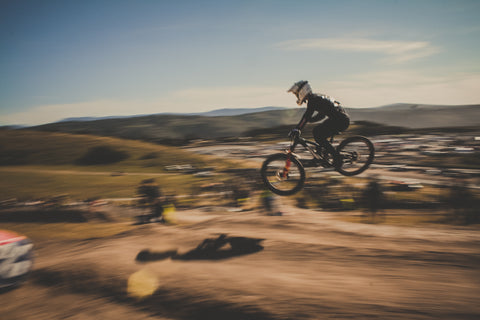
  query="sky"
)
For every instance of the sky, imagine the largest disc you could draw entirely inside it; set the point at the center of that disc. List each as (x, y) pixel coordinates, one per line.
(63, 58)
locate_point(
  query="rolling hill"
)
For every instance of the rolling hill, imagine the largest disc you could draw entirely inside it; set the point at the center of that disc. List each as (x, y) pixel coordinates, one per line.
(164, 128)
(171, 128)
(42, 165)
(25, 147)
(213, 113)
(420, 116)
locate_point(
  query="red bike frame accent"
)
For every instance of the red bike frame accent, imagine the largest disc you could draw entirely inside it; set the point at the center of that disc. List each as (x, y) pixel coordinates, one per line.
(288, 163)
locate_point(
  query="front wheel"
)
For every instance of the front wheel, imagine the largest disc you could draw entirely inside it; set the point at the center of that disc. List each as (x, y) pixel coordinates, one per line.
(356, 154)
(283, 174)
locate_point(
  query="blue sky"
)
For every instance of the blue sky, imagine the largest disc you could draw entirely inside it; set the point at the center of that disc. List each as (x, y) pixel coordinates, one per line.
(66, 58)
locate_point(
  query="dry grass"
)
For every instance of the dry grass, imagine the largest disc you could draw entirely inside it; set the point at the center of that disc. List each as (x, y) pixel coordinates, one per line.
(42, 182)
(42, 164)
(68, 231)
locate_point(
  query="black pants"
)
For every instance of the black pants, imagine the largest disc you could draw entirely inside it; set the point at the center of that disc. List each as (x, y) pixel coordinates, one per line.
(330, 127)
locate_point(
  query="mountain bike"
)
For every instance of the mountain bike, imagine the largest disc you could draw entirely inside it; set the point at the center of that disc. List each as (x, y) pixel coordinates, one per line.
(284, 173)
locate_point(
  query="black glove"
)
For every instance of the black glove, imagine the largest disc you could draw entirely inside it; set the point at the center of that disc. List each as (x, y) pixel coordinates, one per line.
(294, 133)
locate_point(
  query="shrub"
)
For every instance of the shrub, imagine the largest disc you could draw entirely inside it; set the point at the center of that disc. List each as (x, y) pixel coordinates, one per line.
(101, 155)
(149, 156)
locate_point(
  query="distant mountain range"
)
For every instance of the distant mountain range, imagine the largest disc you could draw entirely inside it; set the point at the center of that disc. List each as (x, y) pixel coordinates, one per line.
(213, 113)
(236, 122)
(420, 115)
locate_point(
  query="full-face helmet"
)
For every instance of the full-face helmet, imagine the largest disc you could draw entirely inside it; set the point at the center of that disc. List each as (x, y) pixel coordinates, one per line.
(301, 90)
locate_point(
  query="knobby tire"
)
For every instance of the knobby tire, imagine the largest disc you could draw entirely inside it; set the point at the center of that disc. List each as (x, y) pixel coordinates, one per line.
(270, 175)
(370, 154)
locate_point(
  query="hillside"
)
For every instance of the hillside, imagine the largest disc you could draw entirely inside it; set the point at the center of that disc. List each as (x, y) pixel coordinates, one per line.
(41, 165)
(420, 116)
(213, 113)
(22, 147)
(174, 128)
(159, 128)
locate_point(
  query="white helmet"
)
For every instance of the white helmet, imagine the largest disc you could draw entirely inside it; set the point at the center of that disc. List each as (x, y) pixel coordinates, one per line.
(301, 90)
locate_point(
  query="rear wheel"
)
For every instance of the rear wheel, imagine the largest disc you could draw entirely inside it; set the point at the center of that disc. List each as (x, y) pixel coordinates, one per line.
(283, 174)
(356, 155)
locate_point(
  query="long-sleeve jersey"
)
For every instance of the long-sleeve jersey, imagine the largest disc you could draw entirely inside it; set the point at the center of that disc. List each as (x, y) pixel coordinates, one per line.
(324, 107)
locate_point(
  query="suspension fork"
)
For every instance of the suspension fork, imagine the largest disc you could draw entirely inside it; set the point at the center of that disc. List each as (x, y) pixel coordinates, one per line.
(288, 162)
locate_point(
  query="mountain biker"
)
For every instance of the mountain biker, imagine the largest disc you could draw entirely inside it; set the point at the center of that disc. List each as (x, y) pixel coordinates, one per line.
(325, 107)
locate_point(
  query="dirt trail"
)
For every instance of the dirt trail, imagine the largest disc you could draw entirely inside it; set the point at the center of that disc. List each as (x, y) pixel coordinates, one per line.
(303, 265)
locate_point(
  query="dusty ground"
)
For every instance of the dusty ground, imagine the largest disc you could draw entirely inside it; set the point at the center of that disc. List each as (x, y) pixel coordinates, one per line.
(302, 265)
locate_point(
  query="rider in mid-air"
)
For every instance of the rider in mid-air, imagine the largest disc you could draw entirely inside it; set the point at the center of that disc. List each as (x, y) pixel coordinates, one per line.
(284, 173)
(325, 107)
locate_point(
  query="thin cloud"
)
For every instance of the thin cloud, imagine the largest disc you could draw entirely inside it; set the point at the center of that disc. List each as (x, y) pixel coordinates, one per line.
(410, 86)
(397, 51)
(231, 96)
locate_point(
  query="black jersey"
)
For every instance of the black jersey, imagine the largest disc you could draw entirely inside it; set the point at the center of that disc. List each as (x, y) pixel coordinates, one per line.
(324, 106)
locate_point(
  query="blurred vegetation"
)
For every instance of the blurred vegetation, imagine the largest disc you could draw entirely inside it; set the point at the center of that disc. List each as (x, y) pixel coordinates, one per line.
(37, 165)
(455, 203)
(29, 183)
(102, 155)
(467, 161)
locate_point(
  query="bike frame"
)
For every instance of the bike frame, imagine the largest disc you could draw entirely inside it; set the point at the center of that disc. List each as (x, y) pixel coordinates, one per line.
(343, 158)
(311, 146)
